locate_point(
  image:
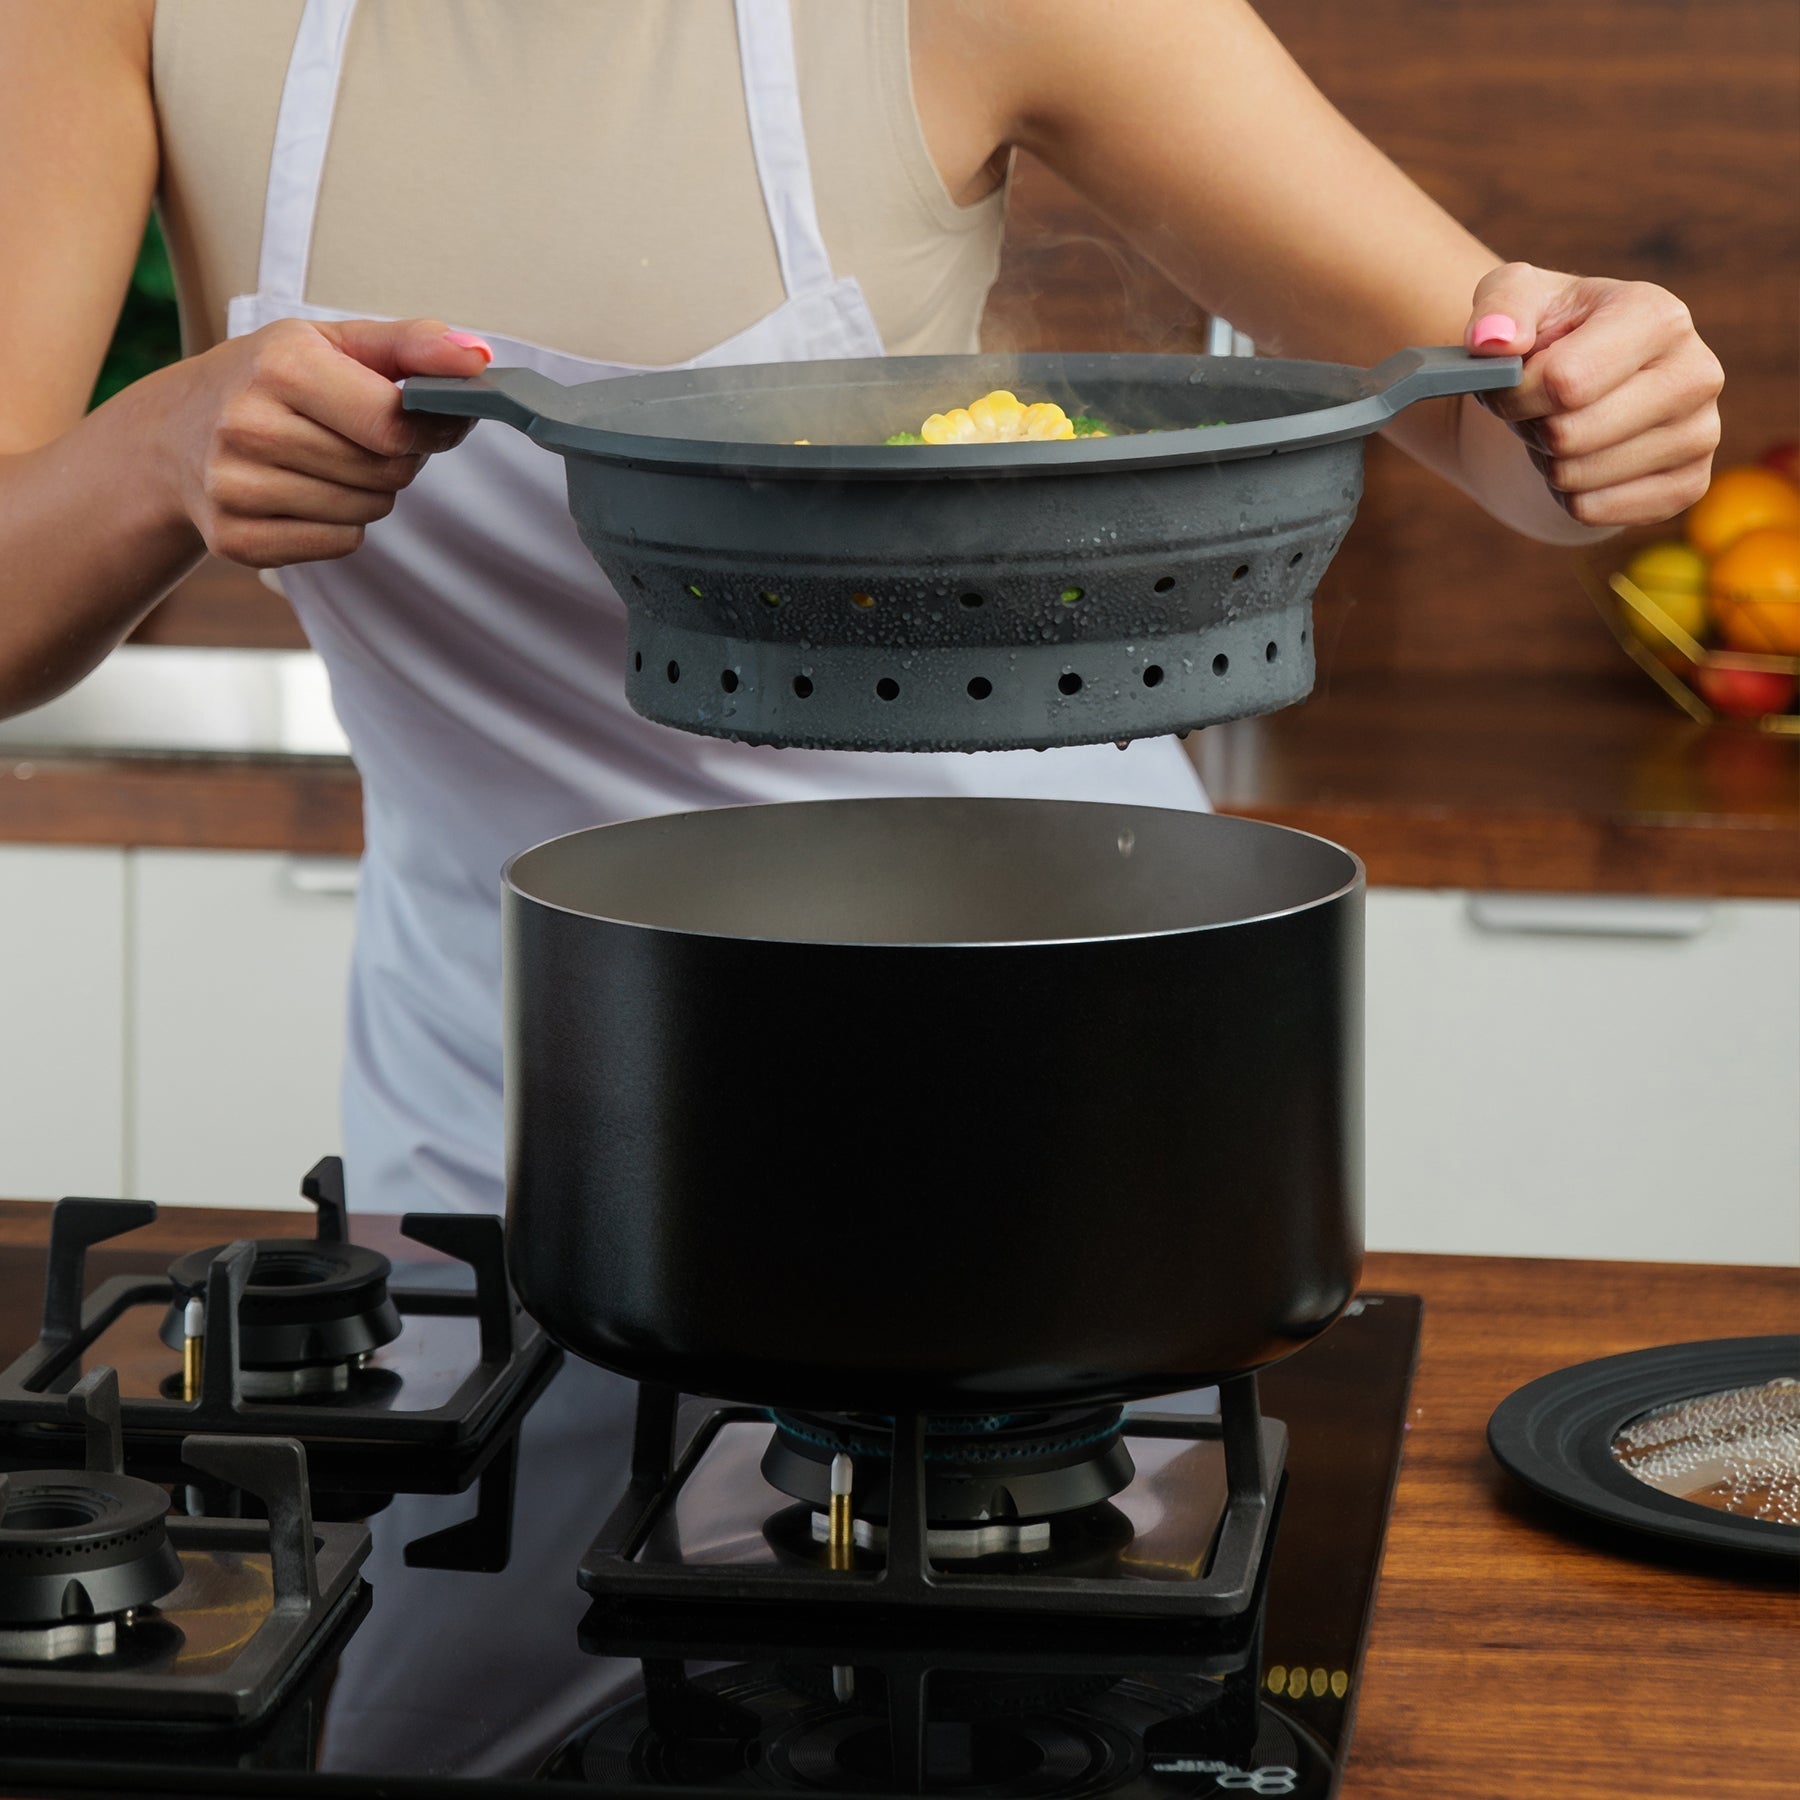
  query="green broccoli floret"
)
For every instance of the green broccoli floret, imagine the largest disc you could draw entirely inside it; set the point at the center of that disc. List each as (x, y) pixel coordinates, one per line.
(904, 437)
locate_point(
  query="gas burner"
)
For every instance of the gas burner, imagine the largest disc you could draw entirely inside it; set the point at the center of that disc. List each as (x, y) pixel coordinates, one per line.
(311, 1313)
(81, 1550)
(79, 1553)
(992, 1483)
(950, 1543)
(119, 1612)
(1005, 1516)
(297, 1337)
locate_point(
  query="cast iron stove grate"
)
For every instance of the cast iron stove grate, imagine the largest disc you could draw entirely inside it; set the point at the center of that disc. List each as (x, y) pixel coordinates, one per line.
(630, 1562)
(114, 1611)
(286, 1326)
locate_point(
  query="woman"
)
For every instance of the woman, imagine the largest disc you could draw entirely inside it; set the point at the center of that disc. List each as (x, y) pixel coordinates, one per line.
(589, 186)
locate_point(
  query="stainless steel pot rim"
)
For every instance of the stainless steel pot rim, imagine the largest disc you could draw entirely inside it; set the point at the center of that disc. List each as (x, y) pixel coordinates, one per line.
(1355, 880)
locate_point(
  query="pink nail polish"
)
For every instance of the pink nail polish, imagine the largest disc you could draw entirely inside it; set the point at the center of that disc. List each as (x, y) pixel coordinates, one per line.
(1491, 328)
(467, 340)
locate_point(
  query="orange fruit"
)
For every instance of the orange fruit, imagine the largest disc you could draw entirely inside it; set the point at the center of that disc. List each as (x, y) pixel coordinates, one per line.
(1741, 499)
(1756, 591)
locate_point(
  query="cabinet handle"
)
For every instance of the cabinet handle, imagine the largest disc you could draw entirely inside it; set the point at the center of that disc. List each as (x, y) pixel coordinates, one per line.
(1591, 915)
(336, 876)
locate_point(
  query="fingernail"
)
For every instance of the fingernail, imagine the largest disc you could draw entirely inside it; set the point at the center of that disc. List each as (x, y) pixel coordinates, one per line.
(1490, 328)
(467, 340)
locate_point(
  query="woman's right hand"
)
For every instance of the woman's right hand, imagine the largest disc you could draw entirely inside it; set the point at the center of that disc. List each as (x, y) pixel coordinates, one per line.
(282, 446)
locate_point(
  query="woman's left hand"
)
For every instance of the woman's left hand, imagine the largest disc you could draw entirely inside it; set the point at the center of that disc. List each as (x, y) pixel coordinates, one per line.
(1619, 403)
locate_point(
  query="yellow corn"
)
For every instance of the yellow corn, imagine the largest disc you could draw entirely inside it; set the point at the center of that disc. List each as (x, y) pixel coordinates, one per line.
(997, 418)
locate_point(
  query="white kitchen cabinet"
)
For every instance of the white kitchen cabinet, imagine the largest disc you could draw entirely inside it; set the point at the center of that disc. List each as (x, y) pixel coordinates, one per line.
(238, 971)
(1584, 1076)
(62, 1021)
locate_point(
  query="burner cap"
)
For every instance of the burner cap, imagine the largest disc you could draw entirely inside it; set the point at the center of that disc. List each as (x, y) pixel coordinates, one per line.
(307, 1301)
(80, 1544)
(995, 1466)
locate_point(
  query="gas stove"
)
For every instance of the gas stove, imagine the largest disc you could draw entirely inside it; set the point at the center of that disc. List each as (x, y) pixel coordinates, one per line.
(292, 1337)
(646, 1592)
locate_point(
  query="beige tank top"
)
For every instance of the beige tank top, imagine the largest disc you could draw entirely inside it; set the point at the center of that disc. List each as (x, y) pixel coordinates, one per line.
(572, 173)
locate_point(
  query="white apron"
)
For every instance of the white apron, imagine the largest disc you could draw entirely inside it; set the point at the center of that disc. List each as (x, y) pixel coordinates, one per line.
(477, 661)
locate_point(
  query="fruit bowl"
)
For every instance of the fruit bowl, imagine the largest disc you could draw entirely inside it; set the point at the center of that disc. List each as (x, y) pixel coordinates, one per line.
(1713, 618)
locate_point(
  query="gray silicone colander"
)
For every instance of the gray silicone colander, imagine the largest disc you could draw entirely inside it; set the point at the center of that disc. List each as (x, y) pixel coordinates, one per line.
(845, 594)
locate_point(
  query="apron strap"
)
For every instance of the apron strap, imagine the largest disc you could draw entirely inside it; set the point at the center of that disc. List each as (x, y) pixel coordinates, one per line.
(778, 141)
(297, 162)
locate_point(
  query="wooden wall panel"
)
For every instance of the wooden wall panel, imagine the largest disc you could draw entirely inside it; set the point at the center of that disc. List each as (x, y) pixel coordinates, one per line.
(1651, 139)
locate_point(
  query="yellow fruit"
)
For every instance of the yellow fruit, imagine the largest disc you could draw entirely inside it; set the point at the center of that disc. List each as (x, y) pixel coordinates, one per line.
(1672, 578)
(1741, 499)
(1756, 592)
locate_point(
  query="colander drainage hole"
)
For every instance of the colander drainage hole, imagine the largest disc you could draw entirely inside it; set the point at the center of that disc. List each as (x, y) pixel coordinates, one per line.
(1153, 675)
(865, 601)
(728, 680)
(1271, 650)
(802, 688)
(1221, 663)
(980, 687)
(1303, 634)
(1294, 560)
(674, 672)
(1164, 583)
(888, 688)
(1240, 572)
(972, 599)
(1070, 683)
(637, 663)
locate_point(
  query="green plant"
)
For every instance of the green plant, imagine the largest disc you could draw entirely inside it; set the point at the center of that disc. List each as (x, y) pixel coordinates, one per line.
(148, 333)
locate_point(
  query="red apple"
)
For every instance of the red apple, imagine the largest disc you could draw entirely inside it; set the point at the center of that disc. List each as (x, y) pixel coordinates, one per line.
(1784, 459)
(1745, 693)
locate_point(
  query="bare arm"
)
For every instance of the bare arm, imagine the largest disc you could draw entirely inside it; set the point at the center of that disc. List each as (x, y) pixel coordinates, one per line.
(82, 556)
(1189, 125)
(277, 448)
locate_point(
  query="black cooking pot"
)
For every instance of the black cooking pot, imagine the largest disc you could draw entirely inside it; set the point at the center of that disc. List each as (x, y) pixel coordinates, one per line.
(948, 1104)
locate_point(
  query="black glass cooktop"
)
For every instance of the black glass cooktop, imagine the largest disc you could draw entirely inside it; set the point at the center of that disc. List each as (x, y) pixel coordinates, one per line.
(470, 1660)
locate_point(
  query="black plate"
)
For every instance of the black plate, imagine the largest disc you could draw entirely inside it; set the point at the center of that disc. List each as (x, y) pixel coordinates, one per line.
(1556, 1434)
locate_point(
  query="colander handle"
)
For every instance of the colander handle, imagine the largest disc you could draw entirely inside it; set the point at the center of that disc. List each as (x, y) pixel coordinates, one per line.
(1413, 375)
(518, 397)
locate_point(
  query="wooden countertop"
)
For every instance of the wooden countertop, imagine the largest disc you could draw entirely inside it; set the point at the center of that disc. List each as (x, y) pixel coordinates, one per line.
(1514, 1651)
(307, 806)
(1587, 784)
